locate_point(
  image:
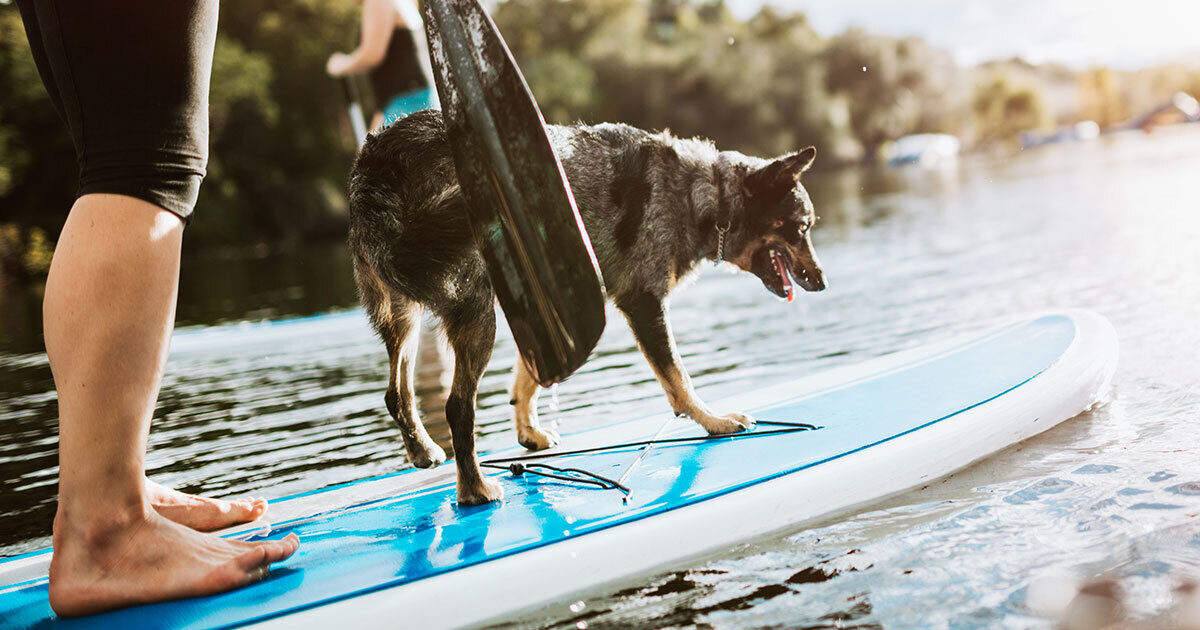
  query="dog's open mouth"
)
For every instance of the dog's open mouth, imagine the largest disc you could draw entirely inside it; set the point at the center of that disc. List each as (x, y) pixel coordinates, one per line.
(784, 280)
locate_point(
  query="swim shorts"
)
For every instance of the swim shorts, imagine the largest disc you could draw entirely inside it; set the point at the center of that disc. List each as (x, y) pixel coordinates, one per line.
(130, 78)
(409, 102)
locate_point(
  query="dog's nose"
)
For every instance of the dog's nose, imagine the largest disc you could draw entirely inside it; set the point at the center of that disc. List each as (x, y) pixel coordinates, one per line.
(818, 283)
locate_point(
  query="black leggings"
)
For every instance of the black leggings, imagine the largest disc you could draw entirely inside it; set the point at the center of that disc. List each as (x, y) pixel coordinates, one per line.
(130, 79)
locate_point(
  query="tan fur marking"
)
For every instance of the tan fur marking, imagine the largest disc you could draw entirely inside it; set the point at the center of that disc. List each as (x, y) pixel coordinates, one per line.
(524, 395)
(682, 396)
(744, 259)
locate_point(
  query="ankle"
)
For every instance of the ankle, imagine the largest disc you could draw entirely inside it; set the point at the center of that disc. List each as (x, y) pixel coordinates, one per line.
(95, 527)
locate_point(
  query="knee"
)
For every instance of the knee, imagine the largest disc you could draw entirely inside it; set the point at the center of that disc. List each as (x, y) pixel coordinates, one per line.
(166, 177)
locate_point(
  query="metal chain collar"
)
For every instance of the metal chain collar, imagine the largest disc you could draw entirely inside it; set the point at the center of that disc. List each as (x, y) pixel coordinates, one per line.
(721, 210)
(721, 230)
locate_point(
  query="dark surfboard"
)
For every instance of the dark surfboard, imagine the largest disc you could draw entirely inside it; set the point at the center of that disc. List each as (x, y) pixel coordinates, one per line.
(522, 212)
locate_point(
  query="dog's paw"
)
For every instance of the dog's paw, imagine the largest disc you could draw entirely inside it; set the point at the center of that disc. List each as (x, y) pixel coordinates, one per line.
(537, 438)
(483, 491)
(728, 423)
(426, 454)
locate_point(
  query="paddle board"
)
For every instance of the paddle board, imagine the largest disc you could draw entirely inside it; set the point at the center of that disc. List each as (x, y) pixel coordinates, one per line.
(398, 548)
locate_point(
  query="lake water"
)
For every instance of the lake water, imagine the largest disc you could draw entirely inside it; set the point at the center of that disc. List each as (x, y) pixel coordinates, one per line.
(911, 256)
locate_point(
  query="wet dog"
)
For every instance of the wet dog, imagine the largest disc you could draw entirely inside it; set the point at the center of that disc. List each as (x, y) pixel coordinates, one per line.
(654, 206)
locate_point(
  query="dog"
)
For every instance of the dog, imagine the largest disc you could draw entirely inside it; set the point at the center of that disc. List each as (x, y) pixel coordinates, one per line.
(653, 205)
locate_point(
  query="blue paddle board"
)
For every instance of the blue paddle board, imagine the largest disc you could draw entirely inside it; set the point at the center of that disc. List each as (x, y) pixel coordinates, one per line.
(400, 548)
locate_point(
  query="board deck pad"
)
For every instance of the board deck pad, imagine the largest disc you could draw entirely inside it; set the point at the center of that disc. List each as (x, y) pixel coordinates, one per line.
(521, 209)
(390, 542)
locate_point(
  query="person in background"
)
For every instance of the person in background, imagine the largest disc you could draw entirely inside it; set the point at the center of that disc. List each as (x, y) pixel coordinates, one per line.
(130, 79)
(393, 55)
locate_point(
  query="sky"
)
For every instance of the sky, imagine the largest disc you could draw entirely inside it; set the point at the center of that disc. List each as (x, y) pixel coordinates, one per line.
(1124, 34)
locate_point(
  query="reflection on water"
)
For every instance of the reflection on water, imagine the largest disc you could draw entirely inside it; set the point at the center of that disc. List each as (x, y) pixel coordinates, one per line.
(911, 256)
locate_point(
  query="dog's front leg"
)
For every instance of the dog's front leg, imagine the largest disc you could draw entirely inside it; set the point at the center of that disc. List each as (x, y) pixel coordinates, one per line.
(530, 433)
(647, 316)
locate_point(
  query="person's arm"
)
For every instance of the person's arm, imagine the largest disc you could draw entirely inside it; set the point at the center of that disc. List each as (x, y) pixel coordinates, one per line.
(380, 17)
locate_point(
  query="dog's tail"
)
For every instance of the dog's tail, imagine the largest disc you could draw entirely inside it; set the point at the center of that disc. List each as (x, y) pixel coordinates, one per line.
(408, 221)
(387, 176)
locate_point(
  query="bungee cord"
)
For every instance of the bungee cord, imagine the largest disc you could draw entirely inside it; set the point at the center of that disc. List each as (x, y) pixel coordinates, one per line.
(521, 464)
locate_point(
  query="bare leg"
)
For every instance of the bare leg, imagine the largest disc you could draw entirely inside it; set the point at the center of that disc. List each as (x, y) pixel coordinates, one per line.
(109, 309)
(530, 433)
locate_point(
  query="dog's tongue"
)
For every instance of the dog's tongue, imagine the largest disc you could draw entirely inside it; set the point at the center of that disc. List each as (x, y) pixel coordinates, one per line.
(783, 275)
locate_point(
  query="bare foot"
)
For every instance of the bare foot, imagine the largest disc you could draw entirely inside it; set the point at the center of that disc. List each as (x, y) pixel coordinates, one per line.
(149, 558)
(202, 513)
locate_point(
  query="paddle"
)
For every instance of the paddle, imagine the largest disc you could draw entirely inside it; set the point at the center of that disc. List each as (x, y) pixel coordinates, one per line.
(522, 212)
(354, 109)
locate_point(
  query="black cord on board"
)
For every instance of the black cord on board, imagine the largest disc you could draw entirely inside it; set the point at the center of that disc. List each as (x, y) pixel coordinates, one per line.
(517, 466)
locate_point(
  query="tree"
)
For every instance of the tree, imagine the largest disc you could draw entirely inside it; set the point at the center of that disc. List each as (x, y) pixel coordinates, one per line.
(1102, 97)
(1002, 110)
(894, 87)
(38, 172)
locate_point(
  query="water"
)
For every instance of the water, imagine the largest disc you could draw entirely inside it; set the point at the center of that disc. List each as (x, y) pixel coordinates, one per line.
(911, 256)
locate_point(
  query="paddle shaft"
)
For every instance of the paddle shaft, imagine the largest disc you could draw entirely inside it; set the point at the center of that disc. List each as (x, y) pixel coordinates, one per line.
(358, 121)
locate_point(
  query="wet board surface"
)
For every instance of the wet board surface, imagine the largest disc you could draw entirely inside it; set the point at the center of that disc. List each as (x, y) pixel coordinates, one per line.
(885, 425)
(521, 209)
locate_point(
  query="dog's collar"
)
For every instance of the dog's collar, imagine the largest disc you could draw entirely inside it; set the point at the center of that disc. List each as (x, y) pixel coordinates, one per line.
(723, 219)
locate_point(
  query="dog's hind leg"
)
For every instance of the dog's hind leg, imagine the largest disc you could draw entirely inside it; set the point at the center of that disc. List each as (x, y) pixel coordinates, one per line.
(471, 330)
(396, 318)
(524, 401)
(401, 341)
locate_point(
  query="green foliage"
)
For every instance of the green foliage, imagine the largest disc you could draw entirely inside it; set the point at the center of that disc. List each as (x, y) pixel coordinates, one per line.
(566, 85)
(280, 150)
(867, 71)
(25, 252)
(1003, 109)
(37, 160)
(692, 68)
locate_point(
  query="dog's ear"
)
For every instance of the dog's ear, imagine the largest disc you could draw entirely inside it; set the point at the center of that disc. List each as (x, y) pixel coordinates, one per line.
(781, 174)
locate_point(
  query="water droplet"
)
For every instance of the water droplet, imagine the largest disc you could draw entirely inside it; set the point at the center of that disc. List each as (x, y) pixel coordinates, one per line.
(729, 41)
(578, 607)
(582, 625)
(864, 68)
